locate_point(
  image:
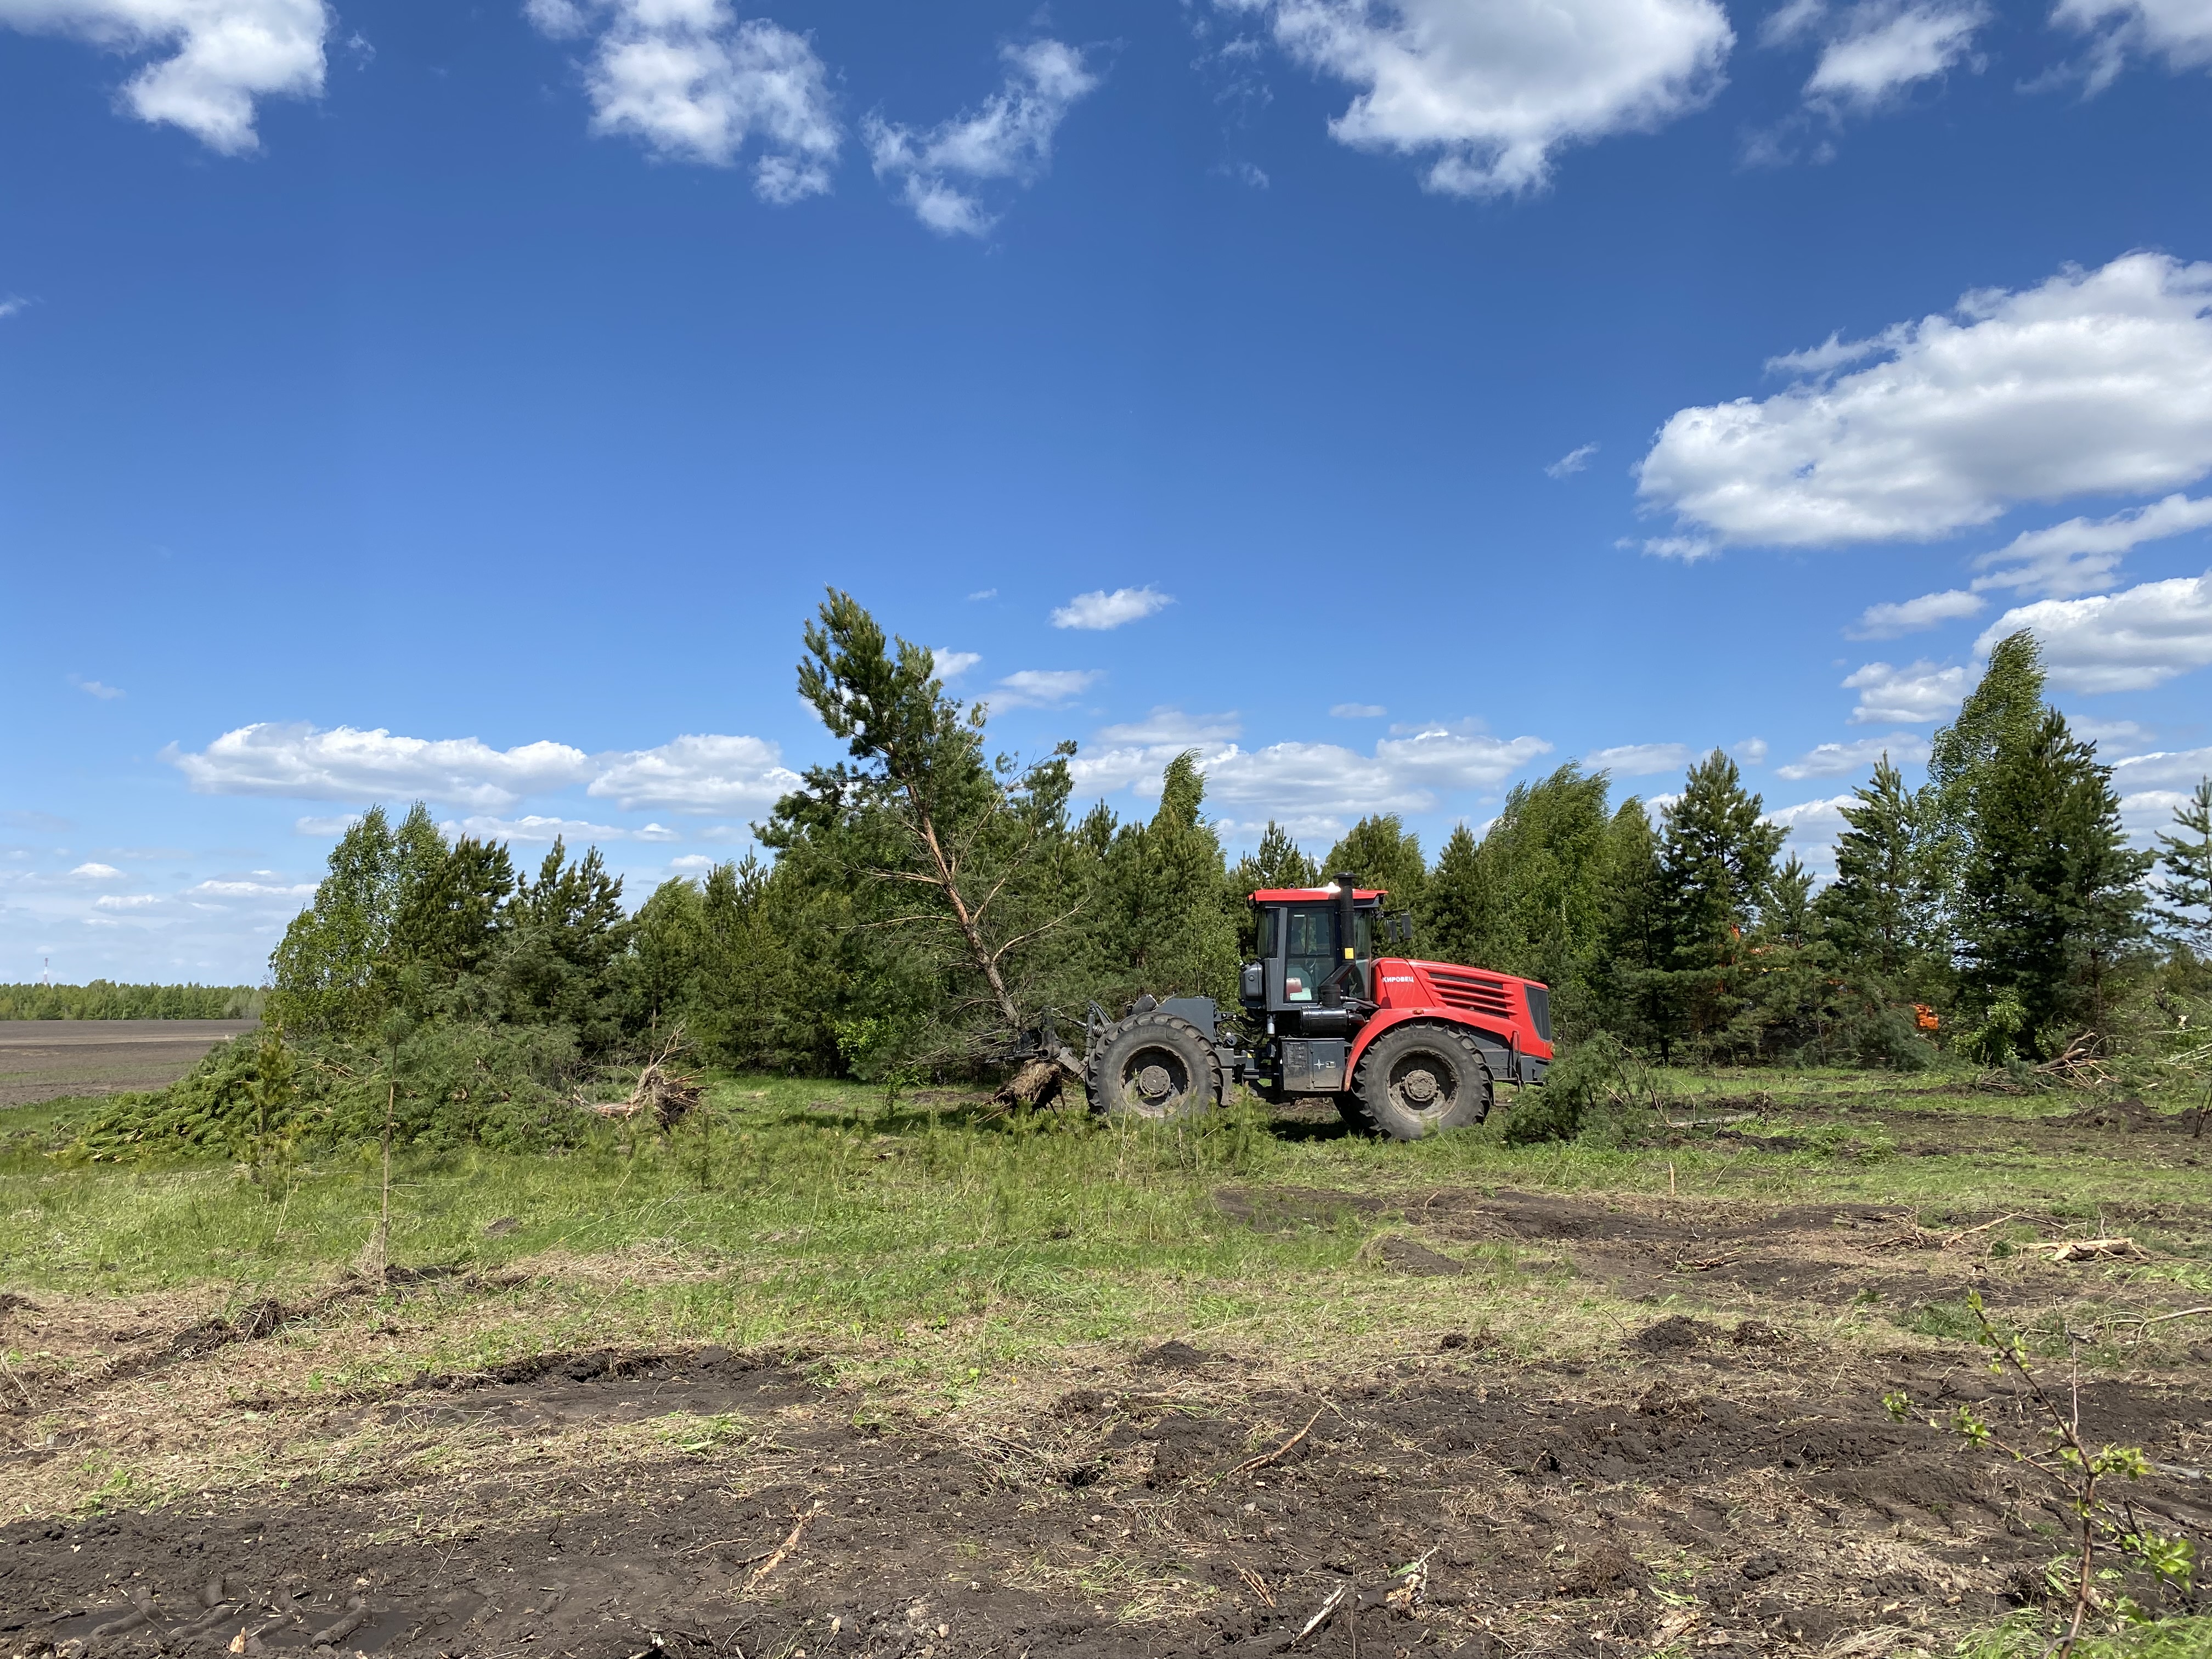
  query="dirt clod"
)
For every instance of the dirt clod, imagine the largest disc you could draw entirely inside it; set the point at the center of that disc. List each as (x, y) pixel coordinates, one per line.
(1674, 1334)
(1173, 1355)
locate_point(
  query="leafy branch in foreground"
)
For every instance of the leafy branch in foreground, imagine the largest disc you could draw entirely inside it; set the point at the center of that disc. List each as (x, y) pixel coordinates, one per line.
(2106, 1527)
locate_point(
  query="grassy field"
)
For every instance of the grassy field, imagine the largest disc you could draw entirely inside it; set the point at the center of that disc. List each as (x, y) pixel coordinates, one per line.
(920, 1273)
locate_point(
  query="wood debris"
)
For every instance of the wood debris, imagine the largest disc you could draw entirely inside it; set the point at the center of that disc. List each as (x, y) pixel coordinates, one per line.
(1265, 1458)
(2089, 1249)
(668, 1095)
(1335, 1601)
(776, 1557)
(1705, 1264)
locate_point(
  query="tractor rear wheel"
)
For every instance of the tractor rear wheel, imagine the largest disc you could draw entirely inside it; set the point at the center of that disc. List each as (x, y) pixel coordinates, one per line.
(1155, 1065)
(1422, 1080)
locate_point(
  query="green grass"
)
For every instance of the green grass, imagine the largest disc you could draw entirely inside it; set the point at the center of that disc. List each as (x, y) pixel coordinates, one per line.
(2026, 1637)
(812, 1212)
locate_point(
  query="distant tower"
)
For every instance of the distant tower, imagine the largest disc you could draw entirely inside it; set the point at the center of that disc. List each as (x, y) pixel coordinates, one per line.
(47, 977)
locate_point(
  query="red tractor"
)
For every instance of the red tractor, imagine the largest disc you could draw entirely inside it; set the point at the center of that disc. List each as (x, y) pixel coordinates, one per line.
(1409, 1048)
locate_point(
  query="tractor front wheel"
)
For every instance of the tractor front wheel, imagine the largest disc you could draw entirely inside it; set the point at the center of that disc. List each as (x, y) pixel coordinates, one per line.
(1421, 1080)
(1155, 1065)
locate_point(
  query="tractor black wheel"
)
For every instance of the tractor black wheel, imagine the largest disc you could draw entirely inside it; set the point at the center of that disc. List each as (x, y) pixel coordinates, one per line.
(1421, 1080)
(1154, 1066)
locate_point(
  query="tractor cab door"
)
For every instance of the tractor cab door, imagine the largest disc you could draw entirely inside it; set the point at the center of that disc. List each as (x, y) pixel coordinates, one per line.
(1299, 949)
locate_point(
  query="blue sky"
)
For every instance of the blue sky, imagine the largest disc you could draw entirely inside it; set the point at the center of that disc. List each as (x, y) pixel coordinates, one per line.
(1392, 400)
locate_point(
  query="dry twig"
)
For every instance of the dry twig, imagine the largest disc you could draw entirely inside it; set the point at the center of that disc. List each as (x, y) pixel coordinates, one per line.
(1335, 1601)
(776, 1556)
(1265, 1458)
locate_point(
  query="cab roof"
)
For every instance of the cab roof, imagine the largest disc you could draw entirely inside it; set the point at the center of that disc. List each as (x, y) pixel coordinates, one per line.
(1314, 894)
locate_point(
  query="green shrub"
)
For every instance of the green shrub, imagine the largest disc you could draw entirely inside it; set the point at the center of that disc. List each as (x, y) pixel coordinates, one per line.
(1585, 1095)
(508, 1087)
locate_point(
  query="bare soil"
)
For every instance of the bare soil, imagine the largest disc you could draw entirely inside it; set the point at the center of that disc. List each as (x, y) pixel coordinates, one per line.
(54, 1059)
(1726, 1478)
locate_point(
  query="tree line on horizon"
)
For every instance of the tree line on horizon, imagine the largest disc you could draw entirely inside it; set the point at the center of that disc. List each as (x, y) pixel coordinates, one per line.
(927, 900)
(102, 999)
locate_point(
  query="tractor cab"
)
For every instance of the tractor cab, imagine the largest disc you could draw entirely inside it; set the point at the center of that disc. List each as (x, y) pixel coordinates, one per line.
(1316, 950)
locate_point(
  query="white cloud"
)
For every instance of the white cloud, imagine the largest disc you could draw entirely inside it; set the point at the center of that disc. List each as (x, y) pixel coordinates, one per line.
(1101, 610)
(1814, 826)
(530, 829)
(250, 890)
(2095, 382)
(2179, 31)
(94, 688)
(1875, 49)
(1751, 751)
(1009, 137)
(125, 901)
(692, 864)
(701, 774)
(1492, 91)
(2079, 555)
(1171, 726)
(97, 873)
(1640, 760)
(1315, 788)
(695, 83)
(695, 774)
(1042, 688)
(1357, 711)
(1836, 760)
(2110, 735)
(985, 594)
(336, 824)
(10, 306)
(1835, 351)
(2151, 813)
(1572, 462)
(305, 763)
(1918, 692)
(1405, 774)
(2176, 768)
(1688, 548)
(2124, 641)
(951, 665)
(222, 55)
(1887, 621)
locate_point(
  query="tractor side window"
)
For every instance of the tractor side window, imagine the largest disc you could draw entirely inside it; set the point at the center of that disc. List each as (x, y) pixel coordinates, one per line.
(1267, 914)
(1363, 932)
(1309, 951)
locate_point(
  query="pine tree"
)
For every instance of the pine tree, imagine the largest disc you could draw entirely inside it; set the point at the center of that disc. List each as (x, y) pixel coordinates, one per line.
(961, 857)
(1626, 987)
(568, 931)
(1277, 862)
(1454, 923)
(1882, 909)
(1715, 857)
(1382, 852)
(2187, 888)
(2049, 903)
(1161, 919)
